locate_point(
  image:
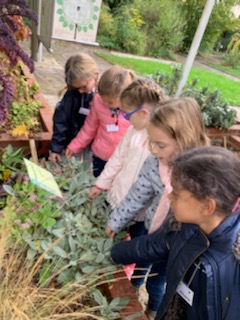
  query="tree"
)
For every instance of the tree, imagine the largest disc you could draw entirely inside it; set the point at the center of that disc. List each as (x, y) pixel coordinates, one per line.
(221, 20)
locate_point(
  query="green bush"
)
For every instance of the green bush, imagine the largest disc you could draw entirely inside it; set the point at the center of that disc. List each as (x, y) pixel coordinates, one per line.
(232, 59)
(163, 26)
(106, 28)
(215, 110)
(129, 36)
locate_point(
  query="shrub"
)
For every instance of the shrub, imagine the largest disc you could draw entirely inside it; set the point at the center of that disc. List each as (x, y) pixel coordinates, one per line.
(10, 31)
(129, 37)
(106, 29)
(215, 110)
(163, 26)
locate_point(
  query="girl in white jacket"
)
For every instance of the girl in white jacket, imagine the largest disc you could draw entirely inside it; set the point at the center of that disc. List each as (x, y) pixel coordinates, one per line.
(121, 171)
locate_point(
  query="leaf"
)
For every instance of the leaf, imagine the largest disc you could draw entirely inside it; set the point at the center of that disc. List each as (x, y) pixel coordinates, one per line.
(31, 253)
(100, 245)
(99, 298)
(72, 243)
(58, 232)
(118, 303)
(60, 252)
(45, 273)
(100, 258)
(49, 222)
(80, 201)
(108, 245)
(8, 189)
(45, 244)
(87, 256)
(88, 269)
(66, 276)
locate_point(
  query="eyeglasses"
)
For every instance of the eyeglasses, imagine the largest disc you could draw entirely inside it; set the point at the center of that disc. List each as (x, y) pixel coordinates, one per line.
(128, 115)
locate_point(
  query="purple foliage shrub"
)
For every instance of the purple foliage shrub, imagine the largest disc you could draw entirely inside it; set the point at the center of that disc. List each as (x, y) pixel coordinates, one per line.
(10, 46)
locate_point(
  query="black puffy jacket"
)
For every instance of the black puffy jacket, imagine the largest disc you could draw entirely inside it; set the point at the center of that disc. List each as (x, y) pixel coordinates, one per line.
(67, 119)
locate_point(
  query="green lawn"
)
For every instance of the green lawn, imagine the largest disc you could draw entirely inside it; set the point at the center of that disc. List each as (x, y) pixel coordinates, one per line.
(235, 72)
(230, 89)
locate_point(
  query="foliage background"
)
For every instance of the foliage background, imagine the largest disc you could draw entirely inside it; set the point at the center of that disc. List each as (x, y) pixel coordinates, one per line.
(161, 28)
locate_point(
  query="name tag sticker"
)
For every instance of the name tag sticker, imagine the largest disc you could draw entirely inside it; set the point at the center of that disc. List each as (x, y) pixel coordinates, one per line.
(185, 292)
(112, 128)
(84, 111)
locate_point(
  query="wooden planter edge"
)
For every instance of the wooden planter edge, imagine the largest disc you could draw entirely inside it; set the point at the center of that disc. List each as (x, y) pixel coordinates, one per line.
(121, 287)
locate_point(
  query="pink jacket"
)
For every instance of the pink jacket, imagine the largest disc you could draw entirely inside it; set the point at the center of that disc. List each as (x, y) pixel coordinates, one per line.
(100, 127)
(122, 169)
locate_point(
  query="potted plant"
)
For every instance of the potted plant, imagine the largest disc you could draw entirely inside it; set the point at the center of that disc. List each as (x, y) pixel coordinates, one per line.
(23, 110)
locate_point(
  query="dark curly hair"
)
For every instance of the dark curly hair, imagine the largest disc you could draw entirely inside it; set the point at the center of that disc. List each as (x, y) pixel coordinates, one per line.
(210, 172)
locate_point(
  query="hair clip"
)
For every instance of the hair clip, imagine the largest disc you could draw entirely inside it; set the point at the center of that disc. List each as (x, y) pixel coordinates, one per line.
(68, 78)
(115, 113)
(236, 205)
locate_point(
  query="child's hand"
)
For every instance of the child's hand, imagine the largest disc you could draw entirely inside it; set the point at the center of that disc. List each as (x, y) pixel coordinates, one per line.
(69, 153)
(109, 232)
(94, 192)
(54, 157)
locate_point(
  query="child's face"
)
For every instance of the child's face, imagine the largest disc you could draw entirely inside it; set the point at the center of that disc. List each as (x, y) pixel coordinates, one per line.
(83, 86)
(185, 206)
(112, 102)
(162, 145)
(139, 117)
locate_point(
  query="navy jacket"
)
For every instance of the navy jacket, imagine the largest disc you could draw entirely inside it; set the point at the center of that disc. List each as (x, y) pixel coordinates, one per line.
(215, 259)
(68, 119)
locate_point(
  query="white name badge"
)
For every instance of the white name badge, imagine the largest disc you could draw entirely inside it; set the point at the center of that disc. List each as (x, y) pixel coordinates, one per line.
(112, 128)
(84, 111)
(185, 292)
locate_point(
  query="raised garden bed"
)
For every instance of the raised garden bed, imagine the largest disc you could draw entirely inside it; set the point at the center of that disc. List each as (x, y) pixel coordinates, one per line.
(43, 138)
(229, 138)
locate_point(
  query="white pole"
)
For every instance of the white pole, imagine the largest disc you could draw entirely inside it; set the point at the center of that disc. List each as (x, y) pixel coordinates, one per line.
(195, 44)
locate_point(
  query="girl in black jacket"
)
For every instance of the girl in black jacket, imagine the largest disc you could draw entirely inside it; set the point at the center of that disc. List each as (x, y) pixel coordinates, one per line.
(81, 74)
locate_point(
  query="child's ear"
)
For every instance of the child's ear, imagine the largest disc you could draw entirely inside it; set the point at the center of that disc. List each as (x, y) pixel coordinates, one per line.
(145, 112)
(210, 206)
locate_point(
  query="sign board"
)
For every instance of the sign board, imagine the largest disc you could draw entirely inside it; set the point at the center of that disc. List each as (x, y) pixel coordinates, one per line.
(46, 8)
(76, 20)
(42, 178)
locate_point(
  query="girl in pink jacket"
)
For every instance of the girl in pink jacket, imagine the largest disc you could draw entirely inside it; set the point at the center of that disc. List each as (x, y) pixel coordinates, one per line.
(105, 125)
